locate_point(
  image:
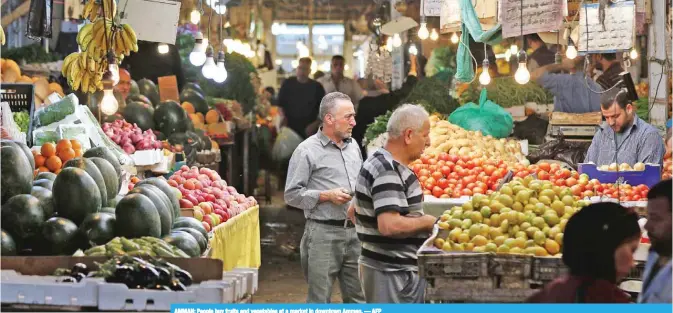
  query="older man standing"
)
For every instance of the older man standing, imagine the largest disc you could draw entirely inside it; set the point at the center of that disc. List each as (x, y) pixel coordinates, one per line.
(321, 180)
(389, 212)
(336, 81)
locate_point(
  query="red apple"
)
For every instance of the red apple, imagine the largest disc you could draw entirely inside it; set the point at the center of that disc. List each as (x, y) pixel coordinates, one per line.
(204, 170)
(216, 206)
(184, 168)
(192, 199)
(200, 199)
(210, 197)
(232, 190)
(240, 198)
(185, 204)
(206, 226)
(252, 200)
(209, 219)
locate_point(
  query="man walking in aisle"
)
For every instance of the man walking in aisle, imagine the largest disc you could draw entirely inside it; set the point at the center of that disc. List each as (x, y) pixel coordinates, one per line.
(389, 212)
(321, 180)
(336, 81)
(657, 275)
(299, 97)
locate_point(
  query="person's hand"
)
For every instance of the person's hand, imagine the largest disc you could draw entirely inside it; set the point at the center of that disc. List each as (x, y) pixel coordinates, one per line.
(568, 64)
(339, 196)
(428, 222)
(380, 86)
(351, 213)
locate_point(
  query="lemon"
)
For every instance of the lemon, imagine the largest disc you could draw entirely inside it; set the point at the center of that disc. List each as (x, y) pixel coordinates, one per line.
(515, 250)
(453, 235)
(559, 238)
(562, 224)
(439, 243)
(454, 223)
(538, 222)
(490, 247)
(495, 206)
(495, 219)
(499, 240)
(479, 241)
(519, 243)
(476, 217)
(552, 247)
(485, 212)
(445, 217)
(467, 206)
(494, 232)
(503, 249)
(545, 200)
(506, 190)
(517, 206)
(539, 208)
(463, 238)
(469, 246)
(559, 207)
(479, 249)
(551, 218)
(474, 230)
(539, 237)
(524, 226)
(443, 225)
(447, 247)
(522, 235)
(530, 231)
(509, 242)
(504, 226)
(466, 224)
(568, 200)
(506, 200)
(458, 247)
(530, 243)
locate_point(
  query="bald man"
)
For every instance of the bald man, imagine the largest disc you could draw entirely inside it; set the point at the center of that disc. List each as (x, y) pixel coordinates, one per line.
(124, 85)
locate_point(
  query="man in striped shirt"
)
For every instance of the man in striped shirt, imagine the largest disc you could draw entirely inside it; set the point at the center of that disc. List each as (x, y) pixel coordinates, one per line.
(388, 211)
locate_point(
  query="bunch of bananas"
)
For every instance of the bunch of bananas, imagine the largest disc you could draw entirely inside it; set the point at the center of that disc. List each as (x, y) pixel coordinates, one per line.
(84, 72)
(124, 40)
(94, 38)
(2, 36)
(93, 8)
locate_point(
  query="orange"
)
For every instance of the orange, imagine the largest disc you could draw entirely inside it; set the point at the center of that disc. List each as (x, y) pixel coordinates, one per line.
(63, 144)
(78, 153)
(48, 149)
(75, 144)
(188, 107)
(66, 154)
(39, 160)
(57, 171)
(212, 117)
(53, 163)
(42, 169)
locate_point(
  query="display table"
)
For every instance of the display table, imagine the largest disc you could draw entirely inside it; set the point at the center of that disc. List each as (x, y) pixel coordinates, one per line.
(237, 242)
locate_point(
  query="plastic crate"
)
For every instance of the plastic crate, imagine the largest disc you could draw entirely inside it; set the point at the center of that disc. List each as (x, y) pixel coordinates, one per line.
(47, 290)
(459, 294)
(546, 269)
(511, 271)
(650, 176)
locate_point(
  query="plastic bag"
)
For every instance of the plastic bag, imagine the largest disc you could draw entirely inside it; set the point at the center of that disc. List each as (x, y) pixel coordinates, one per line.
(570, 152)
(487, 117)
(286, 142)
(39, 19)
(56, 111)
(533, 128)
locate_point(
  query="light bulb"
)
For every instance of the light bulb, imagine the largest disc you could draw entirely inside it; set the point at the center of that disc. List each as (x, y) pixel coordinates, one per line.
(209, 69)
(571, 52)
(423, 32)
(195, 16)
(514, 49)
(163, 48)
(397, 41)
(485, 76)
(221, 74)
(294, 63)
(198, 55)
(522, 76)
(109, 104)
(508, 55)
(113, 68)
(633, 54)
(434, 35)
(412, 49)
(389, 44)
(454, 38)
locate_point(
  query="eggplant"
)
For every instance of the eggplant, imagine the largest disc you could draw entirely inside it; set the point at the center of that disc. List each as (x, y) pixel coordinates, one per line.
(68, 279)
(80, 268)
(165, 276)
(145, 275)
(78, 276)
(176, 285)
(183, 276)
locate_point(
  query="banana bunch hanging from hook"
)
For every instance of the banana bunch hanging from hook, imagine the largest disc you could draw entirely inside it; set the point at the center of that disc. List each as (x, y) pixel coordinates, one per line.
(84, 72)
(94, 8)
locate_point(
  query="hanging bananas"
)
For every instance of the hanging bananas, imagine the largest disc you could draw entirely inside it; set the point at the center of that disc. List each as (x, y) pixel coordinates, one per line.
(125, 40)
(83, 72)
(93, 8)
(2, 36)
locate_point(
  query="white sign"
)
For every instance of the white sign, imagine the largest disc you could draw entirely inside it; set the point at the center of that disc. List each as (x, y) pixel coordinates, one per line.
(450, 17)
(159, 26)
(614, 34)
(432, 7)
(538, 16)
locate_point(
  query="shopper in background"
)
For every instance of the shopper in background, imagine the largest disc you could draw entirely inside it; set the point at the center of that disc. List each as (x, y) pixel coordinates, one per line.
(611, 68)
(318, 75)
(598, 246)
(624, 137)
(336, 81)
(541, 55)
(299, 97)
(657, 276)
(573, 91)
(388, 212)
(124, 85)
(321, 181)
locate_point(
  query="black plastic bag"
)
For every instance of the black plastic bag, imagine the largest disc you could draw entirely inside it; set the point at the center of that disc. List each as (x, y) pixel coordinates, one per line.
(562, 150)
(533, 128)
(39, 19)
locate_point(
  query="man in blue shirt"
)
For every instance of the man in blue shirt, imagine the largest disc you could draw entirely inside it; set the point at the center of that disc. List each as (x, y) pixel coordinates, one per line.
(573, 91)
(657, 275)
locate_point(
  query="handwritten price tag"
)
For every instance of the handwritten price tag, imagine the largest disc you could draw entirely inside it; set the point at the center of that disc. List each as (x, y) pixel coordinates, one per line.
(614, 34)
(432, 7)
(538, 16)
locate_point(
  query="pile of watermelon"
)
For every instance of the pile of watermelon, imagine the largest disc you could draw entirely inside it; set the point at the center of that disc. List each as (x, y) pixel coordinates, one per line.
(79, 207)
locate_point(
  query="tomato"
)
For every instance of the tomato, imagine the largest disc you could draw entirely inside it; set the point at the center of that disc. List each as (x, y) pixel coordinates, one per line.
(437, 192)
(483, 179)
(643, 194)
(454, 175)
(432, 161)
(461, 163)
(560, 182)
(544, 166)
(463, 173)
(446, 170)
(444, 196)
(437, 175)
(587, 194)
(442, 183)
(448, 191)
(466, 192)
(471, 186)
(572, 182)
(575, 174)
(489, 170)
(554, 167)
(469, 179)
(429, 186)
(469, 164)
(441, 163)
(452, 181)
(521, 174)
(424, 172)
(465, 158)
(543, 175)
(422, 179)
(453, 158)
(635, 198)
(427, 192)
(576, 190)
(565, 173)
(444, 156)
(478, 190)
(425, 159)
(416, 168)
(455, 194)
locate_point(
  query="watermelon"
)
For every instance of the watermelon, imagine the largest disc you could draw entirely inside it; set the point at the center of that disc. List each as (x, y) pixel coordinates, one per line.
(16, 175)
(185, 242)
(161, 204)
(207, 144)
(148, 89)
(192, 223)
(75, 194)
(193, 86)
(138, 217)
(169, 191)
(178, 139)
(45, 175)
(109, 176)
(24, 148)
(58, 237)
(203, 242)
(105, 153)
(46, 200)
(98, 229)
(195, 140)
(112, 118)
(134, 88)
(91, 169)
(138, 98)
(22, 216)
(7, 244)
(45, 183)
(108, 210)
(137, 113)
(170, 118)
(196, 98)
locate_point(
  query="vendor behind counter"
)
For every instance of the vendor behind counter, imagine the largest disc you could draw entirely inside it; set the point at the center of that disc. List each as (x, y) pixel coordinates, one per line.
(149, 63)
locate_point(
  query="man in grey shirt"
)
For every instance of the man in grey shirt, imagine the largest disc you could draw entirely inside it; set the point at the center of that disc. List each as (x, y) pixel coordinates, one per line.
(573, 91)
(321, 180)
(624, 137)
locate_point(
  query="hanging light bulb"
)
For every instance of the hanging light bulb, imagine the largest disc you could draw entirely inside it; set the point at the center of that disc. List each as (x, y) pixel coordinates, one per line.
(571, 52)
(221, 74)
(454, 38)
(108, 104)
(508, 55)
(209, 67)
(198, 55)
(434, 35)
(423, 32)
(413, 50)
(195, 16)
(522, 75)
(389, 44)
(163, 48)
(514, 49)
(485, 76)
(397, 41)
(633, 54)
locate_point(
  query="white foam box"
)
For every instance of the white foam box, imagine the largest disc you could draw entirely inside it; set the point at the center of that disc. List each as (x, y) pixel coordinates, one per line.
(240, 281)
(47, 290)
(252, 277)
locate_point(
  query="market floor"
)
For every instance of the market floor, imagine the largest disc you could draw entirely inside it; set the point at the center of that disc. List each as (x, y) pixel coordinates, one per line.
(280, 277)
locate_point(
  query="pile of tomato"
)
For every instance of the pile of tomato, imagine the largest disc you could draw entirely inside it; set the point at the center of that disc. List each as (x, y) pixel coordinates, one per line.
(451, 176)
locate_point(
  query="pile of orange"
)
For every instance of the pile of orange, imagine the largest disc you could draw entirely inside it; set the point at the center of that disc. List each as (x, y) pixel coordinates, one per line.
(51, 157)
